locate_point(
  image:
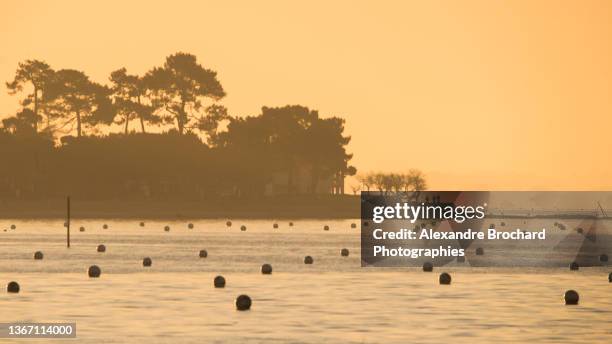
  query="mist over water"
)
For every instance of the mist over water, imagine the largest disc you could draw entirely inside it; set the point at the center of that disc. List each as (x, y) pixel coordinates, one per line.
(332, 300)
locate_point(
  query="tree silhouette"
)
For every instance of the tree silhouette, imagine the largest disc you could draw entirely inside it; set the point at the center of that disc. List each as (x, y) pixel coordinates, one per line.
(37, 73)
(128, 92)
(22, 124)
(180, 86)
(77, 100)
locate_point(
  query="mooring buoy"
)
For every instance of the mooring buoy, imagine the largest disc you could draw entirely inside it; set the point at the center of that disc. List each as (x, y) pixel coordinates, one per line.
(266, 269)
(571, 297)
(147, 262)
(94, 271)
(243, 303)
(12, 287)
(445, 278)
(219, 282)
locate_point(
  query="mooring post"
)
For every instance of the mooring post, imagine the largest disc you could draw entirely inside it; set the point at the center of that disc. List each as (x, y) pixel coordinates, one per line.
(68, 222)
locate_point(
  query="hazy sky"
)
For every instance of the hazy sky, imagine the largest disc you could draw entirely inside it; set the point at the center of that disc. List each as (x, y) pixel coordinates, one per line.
(477, 94)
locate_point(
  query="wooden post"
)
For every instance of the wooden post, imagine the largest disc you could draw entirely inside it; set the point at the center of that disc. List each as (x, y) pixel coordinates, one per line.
(68, 222)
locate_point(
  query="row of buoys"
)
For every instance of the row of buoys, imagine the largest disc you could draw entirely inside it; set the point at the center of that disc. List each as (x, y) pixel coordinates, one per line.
(191, 226)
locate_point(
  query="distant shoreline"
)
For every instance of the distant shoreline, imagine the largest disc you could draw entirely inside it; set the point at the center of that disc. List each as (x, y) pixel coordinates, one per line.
(295, 207)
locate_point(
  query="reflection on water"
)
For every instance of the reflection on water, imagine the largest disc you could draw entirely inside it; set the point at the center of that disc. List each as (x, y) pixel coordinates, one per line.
(332, 300)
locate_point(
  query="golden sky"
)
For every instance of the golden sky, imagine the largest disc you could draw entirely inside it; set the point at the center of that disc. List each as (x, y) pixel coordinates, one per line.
(477, 94)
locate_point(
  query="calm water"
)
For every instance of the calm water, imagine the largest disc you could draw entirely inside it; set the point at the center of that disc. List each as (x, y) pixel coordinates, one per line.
(334, 300)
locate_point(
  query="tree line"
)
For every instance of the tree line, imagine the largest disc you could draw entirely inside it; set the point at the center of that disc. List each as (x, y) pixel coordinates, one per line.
(412, 181)
(61, 139)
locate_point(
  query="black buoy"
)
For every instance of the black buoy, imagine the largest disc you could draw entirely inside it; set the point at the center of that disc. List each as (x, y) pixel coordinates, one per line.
(105, 226)
(479, 251)
(571, 297)
(610, 277)
(219, 282)
(503, 224)
(603, 258)
(141, 224)
(266, 269)
(82, 229)
(243, 228)
(147, 261)
(344, 252)
(353, 225)
(101, 248)
(574, 266)
(579, 230)
(13, 227)
(167, 228)
(203, 254)
(94, 271)
(427, 267)
(12, 287)
(38, 255)
(190, 226)
(275, 225)
(445, 278)
(326, 228)
(308, 260)
(290, 224)
(228, 223)
(243, 303)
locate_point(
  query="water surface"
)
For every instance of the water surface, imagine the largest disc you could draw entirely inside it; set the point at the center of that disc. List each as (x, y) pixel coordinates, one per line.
(334, 300)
